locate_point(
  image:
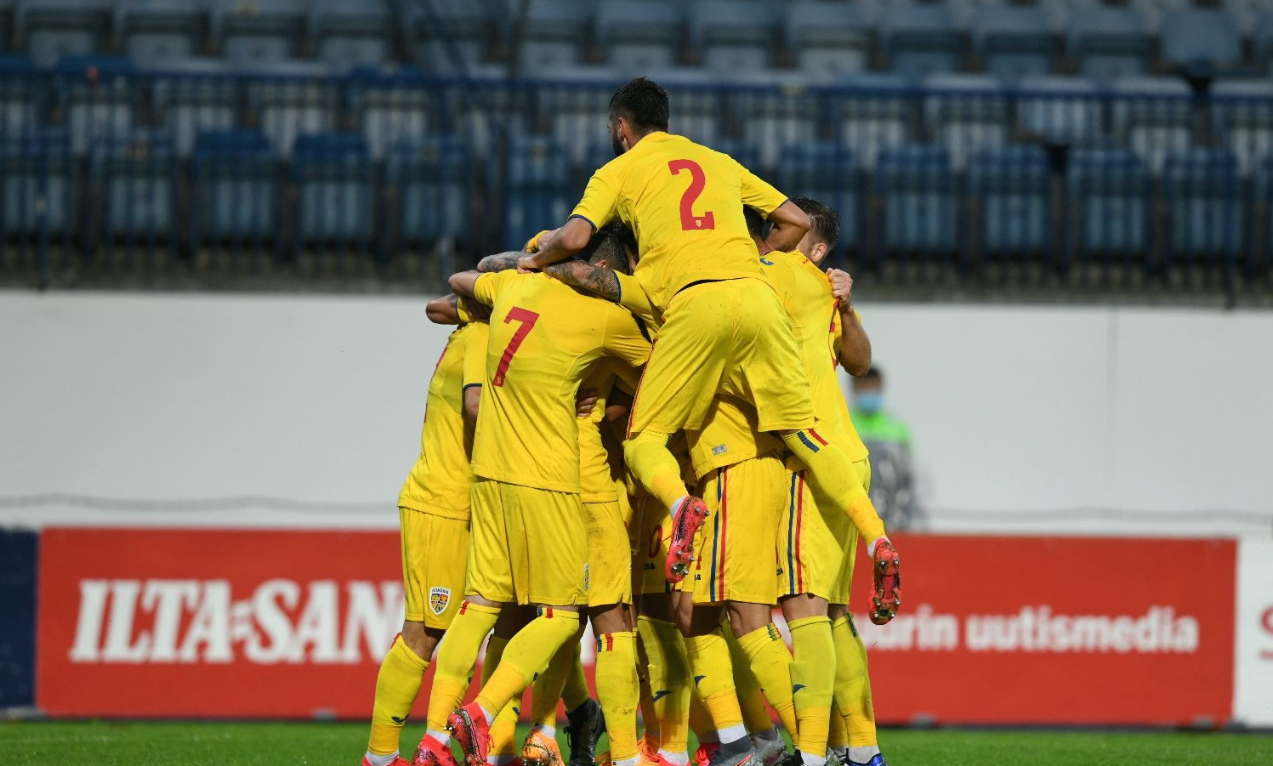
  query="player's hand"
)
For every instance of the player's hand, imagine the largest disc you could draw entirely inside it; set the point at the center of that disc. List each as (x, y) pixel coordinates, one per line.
(585, 402)
(841, 286)
(527, 264)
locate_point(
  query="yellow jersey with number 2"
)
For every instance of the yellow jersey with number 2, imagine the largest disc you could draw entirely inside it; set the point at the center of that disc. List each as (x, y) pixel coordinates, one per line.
(545, 338)
(684, 202)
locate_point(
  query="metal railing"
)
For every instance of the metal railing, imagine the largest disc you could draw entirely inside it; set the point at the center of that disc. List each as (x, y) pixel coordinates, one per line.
(392, 180)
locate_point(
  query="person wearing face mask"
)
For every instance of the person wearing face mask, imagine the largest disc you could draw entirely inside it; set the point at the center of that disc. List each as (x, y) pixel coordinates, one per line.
(889, 441)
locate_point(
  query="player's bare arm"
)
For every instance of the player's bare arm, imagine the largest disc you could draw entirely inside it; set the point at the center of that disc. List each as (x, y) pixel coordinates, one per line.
(790, 224)
(472, 400)
(855, 346)
(500, 261)
(444, 310)
(462, 283)
(588, 277)
(559, 246)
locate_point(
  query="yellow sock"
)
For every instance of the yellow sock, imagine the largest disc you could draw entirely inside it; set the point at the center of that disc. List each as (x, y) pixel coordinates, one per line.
(750, 699)
(811, 683)
(853, 685)
(548, 687)
(575, 692)
(714, 678)
(700, 720)
(617, 691)
(670, 684)
(527, 653)
(494, 651)
(649, 721)
(655, 466)
(831, 473)
(504, 729)
(397, 686)
(838, 737)
(770, 660)
(456, 656)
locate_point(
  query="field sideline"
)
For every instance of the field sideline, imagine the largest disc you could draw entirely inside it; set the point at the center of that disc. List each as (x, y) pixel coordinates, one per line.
(24, 743)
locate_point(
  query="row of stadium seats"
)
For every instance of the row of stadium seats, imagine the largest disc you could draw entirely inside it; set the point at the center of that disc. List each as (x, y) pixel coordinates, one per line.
(1015, 200)
(820, 39)
(95, 97)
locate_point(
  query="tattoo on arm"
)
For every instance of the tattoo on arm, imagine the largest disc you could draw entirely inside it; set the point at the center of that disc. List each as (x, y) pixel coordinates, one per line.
(499, 262)
(587, 277)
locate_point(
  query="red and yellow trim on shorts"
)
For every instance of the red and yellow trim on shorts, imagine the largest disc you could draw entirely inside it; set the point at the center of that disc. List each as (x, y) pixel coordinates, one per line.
(716, 583)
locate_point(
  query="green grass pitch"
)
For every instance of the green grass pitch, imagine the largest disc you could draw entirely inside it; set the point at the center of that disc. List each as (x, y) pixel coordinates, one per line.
(341, 744)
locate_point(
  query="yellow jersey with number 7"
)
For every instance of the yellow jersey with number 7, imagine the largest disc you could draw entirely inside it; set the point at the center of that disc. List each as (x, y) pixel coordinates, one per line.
(684, 203)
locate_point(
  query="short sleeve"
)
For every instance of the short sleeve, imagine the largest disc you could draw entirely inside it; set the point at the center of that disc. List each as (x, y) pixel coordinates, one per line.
(633, 298)
(487, 287)
(463, 311)
(758, 193)
(624, 339)
(600, 201)
(475, 354)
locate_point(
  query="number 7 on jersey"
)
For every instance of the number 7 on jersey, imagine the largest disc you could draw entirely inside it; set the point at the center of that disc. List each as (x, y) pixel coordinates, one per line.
(527, 320)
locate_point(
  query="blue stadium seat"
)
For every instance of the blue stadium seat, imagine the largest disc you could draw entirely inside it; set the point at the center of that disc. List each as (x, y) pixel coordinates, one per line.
(433, 181)
(1154, 116)
(1262, 42)
(255, 32)
(827, 172)
(1013, 186)
(829, 40)
(136, 171)
(698, 107)
(1060, 110)
(351, 33)
(1205, 210)
(873, 114)
(335, 190)
(1242, 114)
(1109, 196)
(37, 183)
(575, 104)
(393, 107)
(1014, 41)
(459, 27)
(919, 194)
(290, 106)
(97, 97)
(23, 95)
(1200, 38)
(196, 95)
(537, 192)
(732, 35)
(639, 35)
(967, 112)
(554, 32)
(1109, 42)
(920, 38)
(51, 30)
(236, 187)
(154, 32)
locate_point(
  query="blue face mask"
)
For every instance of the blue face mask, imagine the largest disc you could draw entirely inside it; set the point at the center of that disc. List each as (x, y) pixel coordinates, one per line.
(868, 402)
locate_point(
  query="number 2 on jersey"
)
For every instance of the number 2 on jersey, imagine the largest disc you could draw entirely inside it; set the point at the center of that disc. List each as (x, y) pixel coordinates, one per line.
(689, 221)
(527, 320)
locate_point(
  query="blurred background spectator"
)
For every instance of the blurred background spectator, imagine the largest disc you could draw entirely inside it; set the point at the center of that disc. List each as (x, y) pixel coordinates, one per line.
(889, 440)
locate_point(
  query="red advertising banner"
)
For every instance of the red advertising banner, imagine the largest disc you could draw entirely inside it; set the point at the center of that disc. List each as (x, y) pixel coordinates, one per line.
(285, 624)
(1055, 630)
(214, 623)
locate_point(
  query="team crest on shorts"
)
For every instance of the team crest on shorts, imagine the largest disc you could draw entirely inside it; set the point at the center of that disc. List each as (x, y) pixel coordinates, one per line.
(439, 598)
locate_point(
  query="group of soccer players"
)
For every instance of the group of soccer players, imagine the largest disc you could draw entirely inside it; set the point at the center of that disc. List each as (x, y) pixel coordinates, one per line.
(638, 421)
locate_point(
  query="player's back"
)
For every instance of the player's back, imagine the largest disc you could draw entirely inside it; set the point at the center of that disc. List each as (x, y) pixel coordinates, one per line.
(439, 481)
(684, 203)
(545, 337)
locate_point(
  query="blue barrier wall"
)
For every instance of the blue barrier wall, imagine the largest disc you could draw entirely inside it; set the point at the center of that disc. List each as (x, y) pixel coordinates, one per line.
(18, 556)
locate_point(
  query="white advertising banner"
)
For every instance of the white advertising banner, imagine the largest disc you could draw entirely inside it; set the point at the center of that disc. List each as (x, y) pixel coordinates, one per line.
(1253, 685)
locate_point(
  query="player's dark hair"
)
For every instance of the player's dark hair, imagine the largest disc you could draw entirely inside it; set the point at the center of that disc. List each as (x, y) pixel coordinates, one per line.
(755, 221)
(615, 244)
(824, 221)
(643, 103)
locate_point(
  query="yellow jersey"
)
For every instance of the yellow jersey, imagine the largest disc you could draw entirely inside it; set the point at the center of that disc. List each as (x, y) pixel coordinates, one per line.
(440, 480)
(596, 482)
(805, 292)
(685, 203)
(729, 435)
(544, 340)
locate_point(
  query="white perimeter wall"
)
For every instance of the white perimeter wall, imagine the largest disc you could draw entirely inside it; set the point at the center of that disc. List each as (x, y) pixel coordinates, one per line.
(318, 400)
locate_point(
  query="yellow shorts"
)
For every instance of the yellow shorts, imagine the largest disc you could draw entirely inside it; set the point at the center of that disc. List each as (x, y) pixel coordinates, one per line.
(730, 337)
(609, 579)
(735, 546)
(812, 538)
(848, 535)
(434, 558)
(528, 546)
(654, 532)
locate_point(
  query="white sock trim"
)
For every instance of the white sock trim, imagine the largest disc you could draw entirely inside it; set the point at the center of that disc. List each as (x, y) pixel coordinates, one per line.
(676, 759)
(381, 760)
(548, 731)
(441, 737)
(863, 754)
(731, 733)
(812, 760)
(870, 547)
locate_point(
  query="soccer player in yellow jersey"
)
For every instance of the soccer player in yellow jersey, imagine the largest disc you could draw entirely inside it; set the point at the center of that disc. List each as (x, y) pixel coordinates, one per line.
(724, 330)
(528, 540)
(434, 513)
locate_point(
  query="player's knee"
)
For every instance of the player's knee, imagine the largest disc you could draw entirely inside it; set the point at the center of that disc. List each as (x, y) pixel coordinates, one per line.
(746, 617)
(420, 640)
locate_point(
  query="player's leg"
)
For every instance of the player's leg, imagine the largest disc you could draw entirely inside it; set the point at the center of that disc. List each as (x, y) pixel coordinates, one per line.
(765, 737)
(540, 746)
(432, 584)
(763, 357)
(488, 586)
(680, 380)
(765, 655)
(504, 730)
(853, 692)
(547, 545)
